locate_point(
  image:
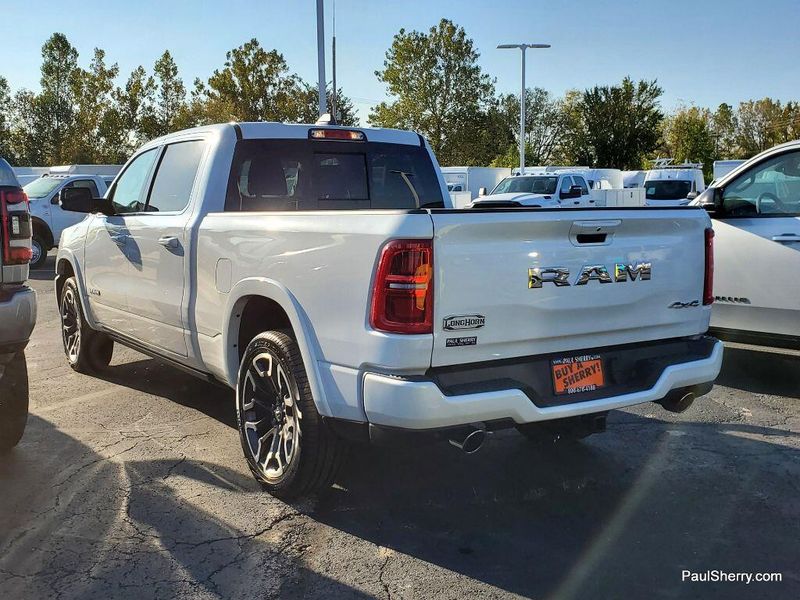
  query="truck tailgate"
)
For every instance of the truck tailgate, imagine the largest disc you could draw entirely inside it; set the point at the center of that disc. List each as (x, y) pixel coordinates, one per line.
(495, 298)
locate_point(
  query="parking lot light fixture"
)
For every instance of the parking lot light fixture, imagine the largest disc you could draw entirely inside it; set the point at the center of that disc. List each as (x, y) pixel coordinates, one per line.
(523, 48)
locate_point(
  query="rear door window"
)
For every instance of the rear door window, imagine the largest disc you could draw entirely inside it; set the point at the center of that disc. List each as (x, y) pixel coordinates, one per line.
(174, 180)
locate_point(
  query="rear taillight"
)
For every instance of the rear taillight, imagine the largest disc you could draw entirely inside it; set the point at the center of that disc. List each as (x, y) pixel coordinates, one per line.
(15, 227)
(708, 281)
(402, 297)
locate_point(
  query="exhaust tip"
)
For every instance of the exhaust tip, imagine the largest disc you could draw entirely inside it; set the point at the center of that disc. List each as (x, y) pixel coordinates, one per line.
(471, 443)
(678, 403)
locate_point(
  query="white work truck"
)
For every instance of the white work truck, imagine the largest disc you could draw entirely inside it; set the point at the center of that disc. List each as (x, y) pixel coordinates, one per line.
(322, 273)
(541, 190)
(49, 221)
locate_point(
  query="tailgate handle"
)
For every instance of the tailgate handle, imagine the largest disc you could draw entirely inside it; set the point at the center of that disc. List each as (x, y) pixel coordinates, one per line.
(596, 233)
(591, 238)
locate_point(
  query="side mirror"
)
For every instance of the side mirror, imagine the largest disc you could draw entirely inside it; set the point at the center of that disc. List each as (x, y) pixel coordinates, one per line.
(56, 198)
(692, 195)
(574, 192)
(711, 201)
(81, 200)
(482, 191)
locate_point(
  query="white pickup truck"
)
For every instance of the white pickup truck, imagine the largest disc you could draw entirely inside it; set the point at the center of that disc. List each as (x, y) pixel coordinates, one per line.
(320, 272)
(48, 218)
(542, 190)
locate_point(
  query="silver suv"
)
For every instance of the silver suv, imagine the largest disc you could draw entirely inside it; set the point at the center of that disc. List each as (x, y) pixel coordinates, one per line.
(17, 307)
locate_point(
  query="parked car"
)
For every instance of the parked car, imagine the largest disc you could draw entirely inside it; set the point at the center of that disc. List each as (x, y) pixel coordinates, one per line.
(673, 185)
(314, 270)
(49, 221)
(17, 307)
(756, 216)
(551, 190)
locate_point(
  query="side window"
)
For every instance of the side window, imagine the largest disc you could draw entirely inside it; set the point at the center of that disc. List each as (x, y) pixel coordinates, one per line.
(770, 188)
(128, 193)
(175, 177)
(84, 183)
(582, 182)
(566, 183)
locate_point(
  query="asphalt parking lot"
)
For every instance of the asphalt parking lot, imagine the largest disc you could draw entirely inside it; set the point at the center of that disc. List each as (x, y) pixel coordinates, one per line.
(132, 484)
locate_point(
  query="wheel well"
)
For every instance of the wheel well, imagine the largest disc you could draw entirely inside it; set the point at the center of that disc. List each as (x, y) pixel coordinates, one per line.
(257, 314)
(65, 271)
(41, 230)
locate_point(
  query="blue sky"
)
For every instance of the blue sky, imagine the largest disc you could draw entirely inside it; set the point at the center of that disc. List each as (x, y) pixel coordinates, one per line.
(701, 52)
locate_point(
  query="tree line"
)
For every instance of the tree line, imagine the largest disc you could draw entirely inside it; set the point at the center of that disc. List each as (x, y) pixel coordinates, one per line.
(435, 85)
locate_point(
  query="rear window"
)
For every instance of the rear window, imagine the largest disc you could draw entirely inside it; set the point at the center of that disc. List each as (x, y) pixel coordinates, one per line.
(667, 189)
(325, 175)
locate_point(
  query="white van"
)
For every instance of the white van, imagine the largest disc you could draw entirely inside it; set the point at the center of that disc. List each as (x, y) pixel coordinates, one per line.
(472, 179)
(673, 185)
(633, 179)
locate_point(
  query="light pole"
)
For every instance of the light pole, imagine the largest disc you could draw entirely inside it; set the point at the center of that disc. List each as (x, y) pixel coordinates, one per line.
(523, 48)
(323, 101)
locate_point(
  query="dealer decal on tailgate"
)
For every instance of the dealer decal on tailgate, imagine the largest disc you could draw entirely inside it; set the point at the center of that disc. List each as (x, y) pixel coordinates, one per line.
(578, 374)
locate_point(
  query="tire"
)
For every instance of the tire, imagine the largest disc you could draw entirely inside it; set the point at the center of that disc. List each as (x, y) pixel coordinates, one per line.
(87, 350)
(564, 431)
(39, 249)
(286, 444)
(13, 402)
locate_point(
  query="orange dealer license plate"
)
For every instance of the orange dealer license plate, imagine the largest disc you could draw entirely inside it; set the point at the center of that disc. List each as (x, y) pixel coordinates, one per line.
(578, 374)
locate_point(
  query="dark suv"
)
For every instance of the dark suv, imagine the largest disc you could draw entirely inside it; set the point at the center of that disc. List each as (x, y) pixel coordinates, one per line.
(17, 307)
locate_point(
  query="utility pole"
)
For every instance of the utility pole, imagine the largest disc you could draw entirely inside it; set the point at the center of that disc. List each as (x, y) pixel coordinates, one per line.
(323, 101)
(523, 48)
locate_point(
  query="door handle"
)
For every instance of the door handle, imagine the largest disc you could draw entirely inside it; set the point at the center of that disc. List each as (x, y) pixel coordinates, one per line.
(786, 237)
(169, 242)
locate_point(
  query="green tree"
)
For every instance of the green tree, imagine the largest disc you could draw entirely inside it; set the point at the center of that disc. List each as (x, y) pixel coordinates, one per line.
(622, 122)
(545, 122)
(254, 85)
(309, 105)
(690, 137)
(170, 99)
(132, 114)
(5, 121)
(437, 87)
(723, 125)
(54, 105)
(574, 147)
(760, 126)
(92, 93)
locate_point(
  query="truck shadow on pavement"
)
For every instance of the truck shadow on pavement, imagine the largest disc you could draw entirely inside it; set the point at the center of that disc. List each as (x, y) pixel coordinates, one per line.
(153, 377)
(74, 524)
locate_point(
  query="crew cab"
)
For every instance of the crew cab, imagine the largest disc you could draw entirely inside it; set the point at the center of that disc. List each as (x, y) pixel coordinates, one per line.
(322, 273)
(48, 218)
(17, 307)
(756, 218)
(544, 190)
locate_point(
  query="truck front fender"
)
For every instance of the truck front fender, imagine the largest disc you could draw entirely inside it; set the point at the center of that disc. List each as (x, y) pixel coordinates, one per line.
(66, 257)
(301, 325)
